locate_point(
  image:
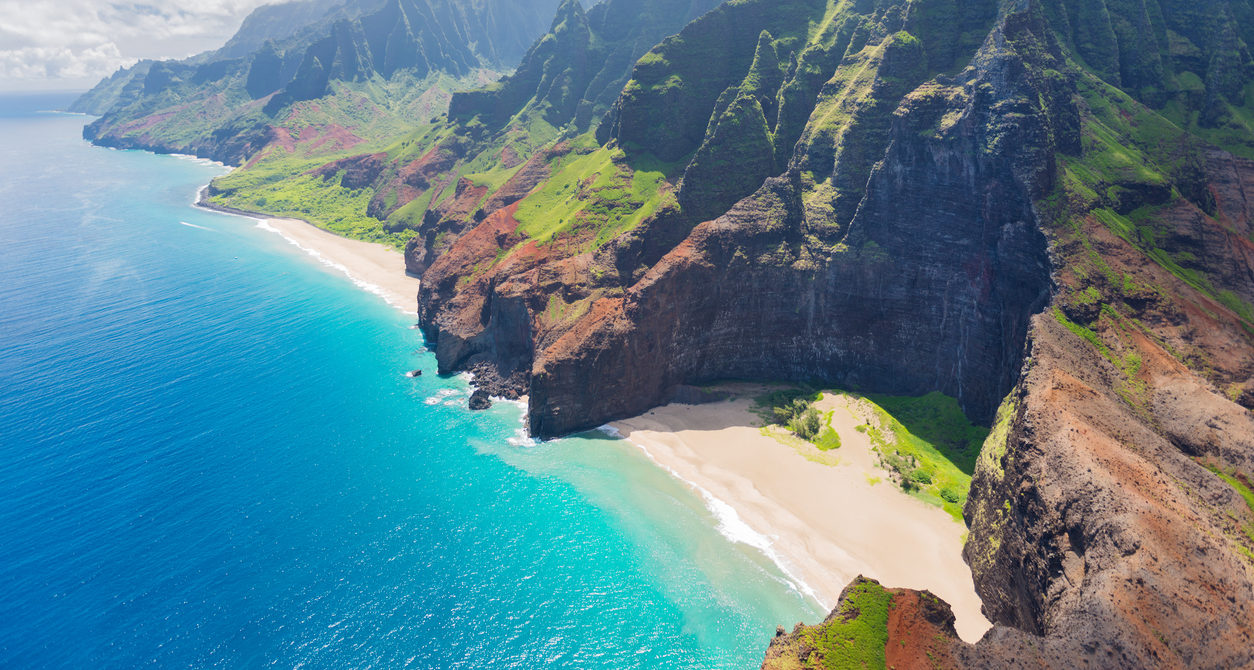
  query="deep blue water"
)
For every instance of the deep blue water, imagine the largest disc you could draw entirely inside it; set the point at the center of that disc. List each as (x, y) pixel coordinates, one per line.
(210, 457)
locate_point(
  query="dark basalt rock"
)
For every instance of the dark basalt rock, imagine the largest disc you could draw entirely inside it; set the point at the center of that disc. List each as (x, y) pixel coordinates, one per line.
(944, 249)
(479, 400)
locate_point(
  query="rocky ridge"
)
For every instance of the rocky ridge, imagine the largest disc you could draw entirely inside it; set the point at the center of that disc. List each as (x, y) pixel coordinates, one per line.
(231, 104)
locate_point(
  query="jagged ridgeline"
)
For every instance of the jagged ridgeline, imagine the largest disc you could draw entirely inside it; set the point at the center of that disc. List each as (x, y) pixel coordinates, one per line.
(792, 101)
(836, 144)
(377, 66)
(428, 185)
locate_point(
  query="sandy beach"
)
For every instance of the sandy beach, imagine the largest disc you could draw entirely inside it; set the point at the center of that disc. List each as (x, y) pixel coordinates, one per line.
(830, 515)
(374, 267)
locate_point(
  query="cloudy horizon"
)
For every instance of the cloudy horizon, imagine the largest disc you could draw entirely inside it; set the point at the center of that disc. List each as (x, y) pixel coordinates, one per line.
(51, 45)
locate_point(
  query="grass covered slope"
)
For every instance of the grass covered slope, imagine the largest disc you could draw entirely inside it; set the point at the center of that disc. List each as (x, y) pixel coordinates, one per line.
(871, 627)
(416, 176)
(592, 193)
(926, 444)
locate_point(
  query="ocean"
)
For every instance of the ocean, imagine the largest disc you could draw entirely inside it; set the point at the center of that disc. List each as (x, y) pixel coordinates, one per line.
(210, 456)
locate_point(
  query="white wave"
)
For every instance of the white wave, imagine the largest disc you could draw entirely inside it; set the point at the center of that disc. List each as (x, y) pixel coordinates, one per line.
(611, 431)
(442, 395)
(192, 225)
(731, 526)
(199, 160)
(339, 267)
(520, 403)
(522, 439)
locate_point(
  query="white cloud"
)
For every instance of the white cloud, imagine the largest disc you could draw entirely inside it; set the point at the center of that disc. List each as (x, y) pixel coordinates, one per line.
(78, 41)
(61, 62)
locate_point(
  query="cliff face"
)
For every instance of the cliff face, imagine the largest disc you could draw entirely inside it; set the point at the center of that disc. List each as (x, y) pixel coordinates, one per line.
(781, 287)
(1102, 529)
(575, 72)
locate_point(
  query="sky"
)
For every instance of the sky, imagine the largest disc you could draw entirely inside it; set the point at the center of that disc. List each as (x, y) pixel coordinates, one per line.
(49, 45)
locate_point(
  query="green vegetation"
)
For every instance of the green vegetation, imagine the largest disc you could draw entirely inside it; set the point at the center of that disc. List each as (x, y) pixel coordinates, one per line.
(857, 633)
(937, 419)
(995, 444)
(766, 404)
(1241, 484)
(794, 409)
(1132, 389)
(283, 186)
(593, 194)
(926, 442)
(827, 439)
(1130, 151)
(929, 445)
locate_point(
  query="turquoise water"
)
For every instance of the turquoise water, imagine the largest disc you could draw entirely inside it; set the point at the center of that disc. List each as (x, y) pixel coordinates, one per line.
(210, 457)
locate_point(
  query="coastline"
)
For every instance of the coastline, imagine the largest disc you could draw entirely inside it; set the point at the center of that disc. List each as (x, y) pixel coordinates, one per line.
(821, 516)
(373, 267)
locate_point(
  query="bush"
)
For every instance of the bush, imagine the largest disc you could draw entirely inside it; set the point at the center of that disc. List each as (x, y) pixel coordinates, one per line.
(950, 494)
(807, 425)
(787, 413)
(921, 477)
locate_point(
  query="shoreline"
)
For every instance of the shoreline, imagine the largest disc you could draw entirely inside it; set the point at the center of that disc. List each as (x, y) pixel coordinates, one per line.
(823, 517)
(819, 517)
(373, 267)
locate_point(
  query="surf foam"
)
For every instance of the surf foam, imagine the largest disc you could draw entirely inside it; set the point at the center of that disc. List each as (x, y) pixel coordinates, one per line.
(338, 267)
(730, 525)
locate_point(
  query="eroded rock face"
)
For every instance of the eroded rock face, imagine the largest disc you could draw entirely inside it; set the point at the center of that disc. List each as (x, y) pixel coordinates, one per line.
(943, 250)
(1092, 528)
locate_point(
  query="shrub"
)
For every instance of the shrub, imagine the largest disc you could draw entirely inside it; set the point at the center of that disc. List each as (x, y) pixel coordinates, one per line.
(950, 494)
(807, 425)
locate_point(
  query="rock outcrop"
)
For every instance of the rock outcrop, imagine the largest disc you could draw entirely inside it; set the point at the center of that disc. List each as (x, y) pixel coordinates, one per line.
(870, 627)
